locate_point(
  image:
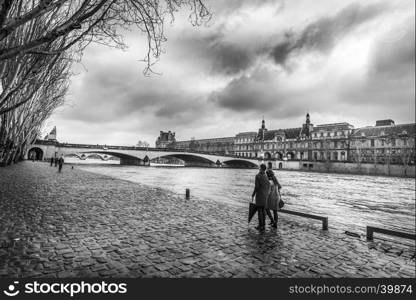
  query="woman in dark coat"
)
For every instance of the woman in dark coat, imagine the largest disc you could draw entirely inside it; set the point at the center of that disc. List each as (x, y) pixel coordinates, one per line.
(273, 199)
(261, 192)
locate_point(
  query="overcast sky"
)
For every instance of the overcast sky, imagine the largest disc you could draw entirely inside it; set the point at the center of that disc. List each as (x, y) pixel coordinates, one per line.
(344, 61)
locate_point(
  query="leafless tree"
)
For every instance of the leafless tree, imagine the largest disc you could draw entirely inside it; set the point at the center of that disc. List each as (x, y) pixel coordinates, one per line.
(390, 140)
(84, 21)
(143, 144)
(40, 39)
(327, 154)
(358, 152)
(407, 153)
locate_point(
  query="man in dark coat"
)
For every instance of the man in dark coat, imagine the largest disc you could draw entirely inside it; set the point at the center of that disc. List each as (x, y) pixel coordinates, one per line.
(61, 163)
(261, 192)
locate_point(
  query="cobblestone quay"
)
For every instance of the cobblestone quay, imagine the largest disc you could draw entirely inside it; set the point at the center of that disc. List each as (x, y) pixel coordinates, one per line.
(78, 223)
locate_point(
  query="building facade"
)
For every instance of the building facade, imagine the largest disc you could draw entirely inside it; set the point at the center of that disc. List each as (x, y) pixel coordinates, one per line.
(164, 139)
(337, 142)
(385, 143)
(223, 146)
(331, 142)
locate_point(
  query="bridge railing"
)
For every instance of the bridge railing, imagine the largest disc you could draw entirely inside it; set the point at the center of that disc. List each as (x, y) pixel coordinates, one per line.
(113, 147)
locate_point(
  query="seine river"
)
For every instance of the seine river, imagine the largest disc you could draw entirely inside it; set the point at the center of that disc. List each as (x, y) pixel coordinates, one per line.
(350, 201)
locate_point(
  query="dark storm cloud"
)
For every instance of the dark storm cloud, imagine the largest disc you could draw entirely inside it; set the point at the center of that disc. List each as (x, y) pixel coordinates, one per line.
(260, 93)
(217, 47)
(218, 55)
(243, 94)
(322, 35)
(229, 58)
(118, 89)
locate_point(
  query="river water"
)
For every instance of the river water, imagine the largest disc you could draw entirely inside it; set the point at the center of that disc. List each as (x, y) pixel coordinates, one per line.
(350, 201)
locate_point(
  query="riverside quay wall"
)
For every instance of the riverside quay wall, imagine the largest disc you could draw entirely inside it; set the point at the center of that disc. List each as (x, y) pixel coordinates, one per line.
(350, 168)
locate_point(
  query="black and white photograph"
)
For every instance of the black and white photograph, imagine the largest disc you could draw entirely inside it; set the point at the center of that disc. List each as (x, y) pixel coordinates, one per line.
(207, 139)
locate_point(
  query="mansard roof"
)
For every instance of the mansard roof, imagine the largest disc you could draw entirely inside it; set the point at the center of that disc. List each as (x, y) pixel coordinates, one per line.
(211, 140)
(292, 133)
(373, 131)
(270, 134)
(289, 133)
(333, 126)
(249, 133)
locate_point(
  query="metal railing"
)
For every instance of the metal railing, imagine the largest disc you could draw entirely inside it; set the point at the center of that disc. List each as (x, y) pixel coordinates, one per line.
(299, 214)
(404, 235)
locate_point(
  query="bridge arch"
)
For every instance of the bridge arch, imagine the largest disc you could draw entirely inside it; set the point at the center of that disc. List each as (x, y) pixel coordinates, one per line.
(125, 159)
(238, 163)
(75, 155)
(189, 159)
(84, 156)
(35, 153)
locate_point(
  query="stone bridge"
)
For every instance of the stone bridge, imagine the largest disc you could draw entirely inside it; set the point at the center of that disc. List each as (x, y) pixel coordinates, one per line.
(44, 150)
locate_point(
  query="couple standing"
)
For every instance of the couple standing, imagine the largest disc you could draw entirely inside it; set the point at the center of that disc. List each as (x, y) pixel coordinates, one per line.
(267, 193)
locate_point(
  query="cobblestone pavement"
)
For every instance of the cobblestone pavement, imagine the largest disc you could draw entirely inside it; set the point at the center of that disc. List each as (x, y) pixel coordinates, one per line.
(82, 224)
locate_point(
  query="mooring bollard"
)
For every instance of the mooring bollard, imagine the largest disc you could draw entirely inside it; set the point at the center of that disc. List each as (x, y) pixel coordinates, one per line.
(187, 193)
(370, 233)
(325, 223)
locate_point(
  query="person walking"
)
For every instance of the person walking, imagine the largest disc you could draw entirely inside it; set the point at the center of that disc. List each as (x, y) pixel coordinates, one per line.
(51, 161)
(61, 162)
(272, 203)
(56, 161)
(261, 192)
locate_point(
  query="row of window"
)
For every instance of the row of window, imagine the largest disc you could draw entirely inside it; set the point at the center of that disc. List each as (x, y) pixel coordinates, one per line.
(316, 145)
(331, 156)
(378, 151)
(329, 133)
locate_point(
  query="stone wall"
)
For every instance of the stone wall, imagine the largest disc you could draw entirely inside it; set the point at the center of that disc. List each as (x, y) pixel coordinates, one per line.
(350, 168)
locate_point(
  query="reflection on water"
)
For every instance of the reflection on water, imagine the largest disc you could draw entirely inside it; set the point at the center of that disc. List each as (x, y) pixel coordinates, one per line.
(350, 201)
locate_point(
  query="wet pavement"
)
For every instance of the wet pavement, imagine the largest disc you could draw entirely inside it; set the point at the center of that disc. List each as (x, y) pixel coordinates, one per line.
(80, 224)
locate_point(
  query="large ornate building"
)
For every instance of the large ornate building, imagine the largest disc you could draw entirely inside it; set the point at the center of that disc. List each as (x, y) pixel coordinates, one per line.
(165, 139)
(338, 142)
(323, 142)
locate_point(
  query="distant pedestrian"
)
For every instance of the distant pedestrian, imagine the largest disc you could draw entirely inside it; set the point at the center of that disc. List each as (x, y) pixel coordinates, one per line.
(51, 161)
(56, 161)
(261, 192)
(274, 196)
(61, 162)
